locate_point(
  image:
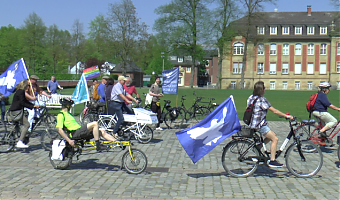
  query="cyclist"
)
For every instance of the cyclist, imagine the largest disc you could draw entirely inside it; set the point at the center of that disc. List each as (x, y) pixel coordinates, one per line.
(259, 121)
(320, 111)
(131, 89)
(65, 120)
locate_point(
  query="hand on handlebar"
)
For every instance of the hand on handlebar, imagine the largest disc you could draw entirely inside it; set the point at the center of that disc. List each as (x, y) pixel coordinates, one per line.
(36, 106)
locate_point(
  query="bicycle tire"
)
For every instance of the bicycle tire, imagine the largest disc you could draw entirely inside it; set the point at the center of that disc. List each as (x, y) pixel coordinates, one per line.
(67, 158)
(201, 113)
(313, 159)
(339, 152)
(147, 135)
(231, 158)
(47, 137)
(305, 131)
(138, 164)
(7, 141)
(89, 118)
(174, 123)
(106, 124)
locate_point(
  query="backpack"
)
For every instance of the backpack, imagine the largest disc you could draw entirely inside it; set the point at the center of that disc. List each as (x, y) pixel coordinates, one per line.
(95, 94)
(248, 114)
(311, 102)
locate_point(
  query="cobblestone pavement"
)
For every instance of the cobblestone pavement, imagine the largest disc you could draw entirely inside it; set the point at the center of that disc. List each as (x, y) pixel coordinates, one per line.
(28, 174)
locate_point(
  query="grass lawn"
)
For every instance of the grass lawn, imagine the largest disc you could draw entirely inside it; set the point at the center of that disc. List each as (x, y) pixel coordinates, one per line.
(293, 102)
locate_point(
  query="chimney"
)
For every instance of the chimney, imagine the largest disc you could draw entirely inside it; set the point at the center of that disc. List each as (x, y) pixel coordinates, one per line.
(309, 10)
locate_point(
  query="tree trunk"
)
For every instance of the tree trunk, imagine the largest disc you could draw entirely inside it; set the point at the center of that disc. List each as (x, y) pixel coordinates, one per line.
(219, 70)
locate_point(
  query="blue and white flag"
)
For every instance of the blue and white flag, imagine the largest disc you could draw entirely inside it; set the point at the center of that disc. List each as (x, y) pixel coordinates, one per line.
(15, 73)
(81, 93)
(204, 136)
(170, 81)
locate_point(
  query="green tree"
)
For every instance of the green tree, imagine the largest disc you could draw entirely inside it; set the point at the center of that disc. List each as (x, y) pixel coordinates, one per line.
(183, 22)
(53, 44)
(10, 45)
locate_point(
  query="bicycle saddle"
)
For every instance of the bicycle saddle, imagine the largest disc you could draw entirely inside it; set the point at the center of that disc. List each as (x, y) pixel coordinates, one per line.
(309, 122)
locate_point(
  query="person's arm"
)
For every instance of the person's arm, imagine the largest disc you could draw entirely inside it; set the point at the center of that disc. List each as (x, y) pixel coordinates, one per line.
(40, 91)
(334, 107)
(131, 97)
(23, 101)
(101, 91)
(124, 98)
(48, 86)
(135, 91)
(59, 86)
(63, 134)
(277, 112)
(153, 94)
(29, 97)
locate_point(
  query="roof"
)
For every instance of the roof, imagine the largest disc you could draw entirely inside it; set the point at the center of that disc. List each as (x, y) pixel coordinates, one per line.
(129, 67)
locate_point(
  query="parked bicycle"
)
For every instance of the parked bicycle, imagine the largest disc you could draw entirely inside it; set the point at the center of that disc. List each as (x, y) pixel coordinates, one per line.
(242, 155)
(93, 108)
(196, 112)
(133, 160)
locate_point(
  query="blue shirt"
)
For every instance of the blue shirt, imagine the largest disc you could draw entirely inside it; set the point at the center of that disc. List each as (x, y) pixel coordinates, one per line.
(321, 102)
(116, 90)
(52, 86)
(101, 92)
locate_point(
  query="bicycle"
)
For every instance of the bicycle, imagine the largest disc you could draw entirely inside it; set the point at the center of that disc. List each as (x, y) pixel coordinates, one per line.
(133, 160)
(241, 156)
(172, 116)
(93, 108)
(196, 111)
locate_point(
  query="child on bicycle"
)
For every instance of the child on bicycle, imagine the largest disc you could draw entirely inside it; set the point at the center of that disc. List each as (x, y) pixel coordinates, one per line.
(259, 121)
(320, 111)
(76, 132)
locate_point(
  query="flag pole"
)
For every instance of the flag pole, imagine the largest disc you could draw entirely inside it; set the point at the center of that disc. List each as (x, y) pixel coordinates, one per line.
(29, 80)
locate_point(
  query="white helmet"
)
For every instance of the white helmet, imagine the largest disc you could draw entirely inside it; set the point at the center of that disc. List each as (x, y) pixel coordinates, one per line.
(324, 85)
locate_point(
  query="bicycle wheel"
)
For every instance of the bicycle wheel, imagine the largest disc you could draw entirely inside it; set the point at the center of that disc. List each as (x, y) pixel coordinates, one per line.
(339, 152)
(7, 141)
(305, 131)
(201, 113)
(307, 167)
(67, 152)
(136, 162)
(236, 165)
(174, 119)
(107, 124)
(89, 118)
(51, 121)
(146, 135)
(47, 138)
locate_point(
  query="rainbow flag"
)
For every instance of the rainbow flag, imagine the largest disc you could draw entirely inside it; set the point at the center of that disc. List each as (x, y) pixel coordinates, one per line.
(91, 72)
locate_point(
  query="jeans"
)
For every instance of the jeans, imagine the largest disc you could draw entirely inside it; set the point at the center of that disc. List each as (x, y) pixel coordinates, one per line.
(32, 113)
(117, 108)
(127, 108)
(3, 109)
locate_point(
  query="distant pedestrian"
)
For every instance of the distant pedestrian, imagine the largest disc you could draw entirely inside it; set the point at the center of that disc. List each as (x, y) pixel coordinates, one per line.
(109, 86)
(53, 85)
(94, 90)
(155, 104)
(102, 89)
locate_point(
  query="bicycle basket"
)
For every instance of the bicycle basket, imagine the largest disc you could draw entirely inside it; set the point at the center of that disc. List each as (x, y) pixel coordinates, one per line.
(246, 132)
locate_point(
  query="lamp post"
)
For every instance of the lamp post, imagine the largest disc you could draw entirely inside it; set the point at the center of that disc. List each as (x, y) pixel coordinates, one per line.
(162, 55)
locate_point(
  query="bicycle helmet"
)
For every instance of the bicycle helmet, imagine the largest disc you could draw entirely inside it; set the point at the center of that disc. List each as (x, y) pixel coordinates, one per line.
(324, 85)
(66, 101)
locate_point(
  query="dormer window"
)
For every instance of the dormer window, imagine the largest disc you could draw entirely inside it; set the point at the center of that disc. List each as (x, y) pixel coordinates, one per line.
(285, 30)
(310, 30)
(260, 30)
(273, 30)
(180, 59)
(323, 30)
(298, 30)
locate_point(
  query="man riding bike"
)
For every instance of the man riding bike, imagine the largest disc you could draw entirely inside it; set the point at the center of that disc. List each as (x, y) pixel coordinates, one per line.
(66, 122)
(320, 111)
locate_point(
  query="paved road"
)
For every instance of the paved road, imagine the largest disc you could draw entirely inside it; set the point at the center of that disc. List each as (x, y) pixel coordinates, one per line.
(171, 174)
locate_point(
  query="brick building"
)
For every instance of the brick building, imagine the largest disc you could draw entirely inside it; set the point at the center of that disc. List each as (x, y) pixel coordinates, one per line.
(288, 51)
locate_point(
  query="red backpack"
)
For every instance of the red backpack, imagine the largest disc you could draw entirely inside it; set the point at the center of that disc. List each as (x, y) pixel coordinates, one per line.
(311, 102)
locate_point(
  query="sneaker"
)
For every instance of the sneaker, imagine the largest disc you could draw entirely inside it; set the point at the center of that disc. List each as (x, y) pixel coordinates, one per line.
(20, 144)
(101, 148)
(274, 164)
(159, 129)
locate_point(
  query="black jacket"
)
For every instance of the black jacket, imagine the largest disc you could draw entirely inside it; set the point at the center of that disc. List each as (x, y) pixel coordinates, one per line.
(20, 101)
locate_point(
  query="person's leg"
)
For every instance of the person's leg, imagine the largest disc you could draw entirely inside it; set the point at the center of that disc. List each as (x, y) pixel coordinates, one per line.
(30, 117)
(128, 108)
(107, 136)
(24, 128)
(3, 109)
(117, 107)
(94, 128)
(154, 109)
(329, 120)
(272, 136)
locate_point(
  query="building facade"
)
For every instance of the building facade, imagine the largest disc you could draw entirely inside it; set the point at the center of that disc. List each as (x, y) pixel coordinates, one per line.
(288, 51)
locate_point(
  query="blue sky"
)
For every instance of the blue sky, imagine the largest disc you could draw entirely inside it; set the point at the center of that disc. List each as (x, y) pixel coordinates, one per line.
(64, 12)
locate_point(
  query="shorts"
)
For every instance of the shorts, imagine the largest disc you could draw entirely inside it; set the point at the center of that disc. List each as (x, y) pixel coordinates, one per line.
(263, 130)
(82, 133)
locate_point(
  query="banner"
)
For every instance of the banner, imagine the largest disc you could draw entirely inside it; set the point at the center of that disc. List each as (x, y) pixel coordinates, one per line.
(81, 92)
(204, 136)
(170, 81)
(14, 74)
(91, 72)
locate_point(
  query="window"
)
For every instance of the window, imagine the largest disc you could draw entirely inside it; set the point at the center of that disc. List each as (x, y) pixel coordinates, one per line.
(285, 49)
(285, 85)
(237, 68)
(297, 68)
(180, 59)
(298, 30)
(188, 69)
(310, 49)
(173, 57)
(285, 68)
(298, 49)
(260, 49)
(338, 67)
(323, 30)
(338, 48)
(322, 68)
(260, 68)
(272, 85)
(272, 68)
(323, 49)
(310, 30)
(285, 30)
(238, 49)
(297, 85)
(260, 30)
(310, 85)
(310, 68)
(233, 84)
(273, 49)
(273, 30)
(338, 85)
